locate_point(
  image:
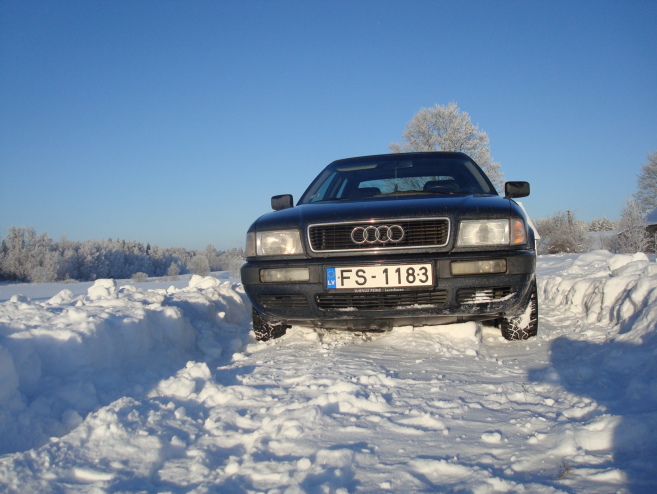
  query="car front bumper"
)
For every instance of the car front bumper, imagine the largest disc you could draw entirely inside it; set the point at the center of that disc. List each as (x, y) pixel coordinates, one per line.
(450, 299)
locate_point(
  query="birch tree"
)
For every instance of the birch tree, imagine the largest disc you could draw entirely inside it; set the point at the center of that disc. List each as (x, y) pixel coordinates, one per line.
(646, 196)
(447, 128)
(633, 236)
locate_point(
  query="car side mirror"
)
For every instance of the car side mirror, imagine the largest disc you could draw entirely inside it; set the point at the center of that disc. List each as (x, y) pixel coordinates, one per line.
(284, 201)
(516, 189)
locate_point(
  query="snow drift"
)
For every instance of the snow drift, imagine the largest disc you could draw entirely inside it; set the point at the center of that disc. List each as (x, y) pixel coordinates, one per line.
(611, 289)
(62, 358)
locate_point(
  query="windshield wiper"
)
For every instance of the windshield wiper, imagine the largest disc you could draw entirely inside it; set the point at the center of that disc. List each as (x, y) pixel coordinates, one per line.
(444, 192)
(330, 199)
(403, 193)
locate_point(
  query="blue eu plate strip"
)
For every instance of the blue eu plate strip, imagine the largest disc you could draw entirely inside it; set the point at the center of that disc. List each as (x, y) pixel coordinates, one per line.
(330, 278)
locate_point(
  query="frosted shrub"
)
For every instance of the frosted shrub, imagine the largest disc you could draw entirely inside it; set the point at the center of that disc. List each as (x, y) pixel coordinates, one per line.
(139, 277)
(199, 265)
(633, 236)
(562, 233)
(173, 271)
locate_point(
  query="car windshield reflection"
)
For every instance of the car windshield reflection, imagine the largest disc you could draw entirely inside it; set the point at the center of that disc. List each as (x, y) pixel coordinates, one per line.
(396, 177)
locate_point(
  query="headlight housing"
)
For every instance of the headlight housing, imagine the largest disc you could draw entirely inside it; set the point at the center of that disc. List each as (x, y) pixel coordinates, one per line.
(284, 275)
(273, 243)
(477, 233)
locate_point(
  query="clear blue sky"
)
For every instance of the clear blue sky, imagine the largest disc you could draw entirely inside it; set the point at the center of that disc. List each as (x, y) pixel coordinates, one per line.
(175, 122)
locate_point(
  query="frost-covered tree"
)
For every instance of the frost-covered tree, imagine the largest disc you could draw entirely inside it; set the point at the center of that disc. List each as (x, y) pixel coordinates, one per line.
(232, 259)
(601, 225)
(213, 257)
(633, 236)
(562, 232)
(173, 271)
(14, 255)
(26, 256)
(446, 128)
(199, 265)
(646, 196)
(71, 264)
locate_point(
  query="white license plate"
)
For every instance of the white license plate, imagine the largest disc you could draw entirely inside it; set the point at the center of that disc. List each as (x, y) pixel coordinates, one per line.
(384, 276)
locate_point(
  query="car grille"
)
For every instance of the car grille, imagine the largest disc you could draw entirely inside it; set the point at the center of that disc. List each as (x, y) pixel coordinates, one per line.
(336, 237)
(482, 295)
(283, 301)
(380, 301)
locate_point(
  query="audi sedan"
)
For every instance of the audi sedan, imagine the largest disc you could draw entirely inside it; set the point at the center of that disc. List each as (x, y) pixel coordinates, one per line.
(394, 240)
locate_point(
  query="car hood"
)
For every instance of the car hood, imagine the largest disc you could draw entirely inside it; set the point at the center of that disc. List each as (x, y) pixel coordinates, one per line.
(452, 207)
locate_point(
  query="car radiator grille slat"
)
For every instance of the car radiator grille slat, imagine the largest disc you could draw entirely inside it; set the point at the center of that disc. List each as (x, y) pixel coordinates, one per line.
(417, 233)
(482, 295)
(283, 301)
(380, 301)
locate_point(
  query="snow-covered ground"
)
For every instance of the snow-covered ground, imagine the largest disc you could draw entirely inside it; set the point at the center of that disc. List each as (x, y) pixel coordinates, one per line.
(149, 388)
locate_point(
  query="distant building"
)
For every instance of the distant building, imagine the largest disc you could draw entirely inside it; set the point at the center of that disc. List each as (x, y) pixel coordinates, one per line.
(651, 228)
(631, 237)
(651, 223)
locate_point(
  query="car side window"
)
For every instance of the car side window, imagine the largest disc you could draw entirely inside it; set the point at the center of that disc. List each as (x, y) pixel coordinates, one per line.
(341, 192)
(321, 192)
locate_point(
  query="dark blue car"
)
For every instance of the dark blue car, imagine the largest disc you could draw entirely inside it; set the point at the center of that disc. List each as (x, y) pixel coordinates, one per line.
(398, 239)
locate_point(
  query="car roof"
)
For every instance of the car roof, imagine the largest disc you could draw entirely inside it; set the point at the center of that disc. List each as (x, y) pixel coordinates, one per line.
(396, 156)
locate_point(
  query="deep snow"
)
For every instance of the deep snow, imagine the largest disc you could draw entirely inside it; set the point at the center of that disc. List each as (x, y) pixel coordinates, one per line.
(139, 387)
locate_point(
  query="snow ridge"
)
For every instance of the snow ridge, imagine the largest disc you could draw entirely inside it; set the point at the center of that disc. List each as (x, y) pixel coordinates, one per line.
(68, 355)
(610, 289)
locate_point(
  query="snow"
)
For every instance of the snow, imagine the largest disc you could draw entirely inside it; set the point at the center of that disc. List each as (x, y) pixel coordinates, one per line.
(161, 387)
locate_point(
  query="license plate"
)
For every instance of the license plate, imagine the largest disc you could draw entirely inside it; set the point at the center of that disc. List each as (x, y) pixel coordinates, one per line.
(384, 276)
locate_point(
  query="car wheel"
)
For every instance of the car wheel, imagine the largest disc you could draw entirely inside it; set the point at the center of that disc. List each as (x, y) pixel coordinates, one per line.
(525, 325)
(265, 330)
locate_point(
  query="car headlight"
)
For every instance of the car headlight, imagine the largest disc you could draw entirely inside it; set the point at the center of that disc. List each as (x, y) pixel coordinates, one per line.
(476, 233)
(273, 243)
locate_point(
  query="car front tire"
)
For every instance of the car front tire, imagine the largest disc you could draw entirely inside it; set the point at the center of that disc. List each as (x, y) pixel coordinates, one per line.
(265, 330)
(524, 326)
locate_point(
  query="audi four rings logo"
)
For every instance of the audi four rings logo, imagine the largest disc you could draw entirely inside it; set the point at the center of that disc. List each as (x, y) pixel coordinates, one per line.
(377, 234)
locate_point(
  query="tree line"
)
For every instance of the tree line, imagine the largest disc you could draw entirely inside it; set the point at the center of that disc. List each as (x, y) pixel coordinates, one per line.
(562, 232)
(31, 257)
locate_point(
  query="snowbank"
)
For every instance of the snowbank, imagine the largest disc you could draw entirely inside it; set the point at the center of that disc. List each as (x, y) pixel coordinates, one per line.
(610, 289)
(66, 356)
(606, 353)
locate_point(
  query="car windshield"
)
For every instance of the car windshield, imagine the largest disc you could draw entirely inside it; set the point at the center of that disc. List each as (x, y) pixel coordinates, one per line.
(361, 179)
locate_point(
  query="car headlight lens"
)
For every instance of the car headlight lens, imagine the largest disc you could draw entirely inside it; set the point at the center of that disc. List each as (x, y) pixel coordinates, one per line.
(279, 243)
(476, 233)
